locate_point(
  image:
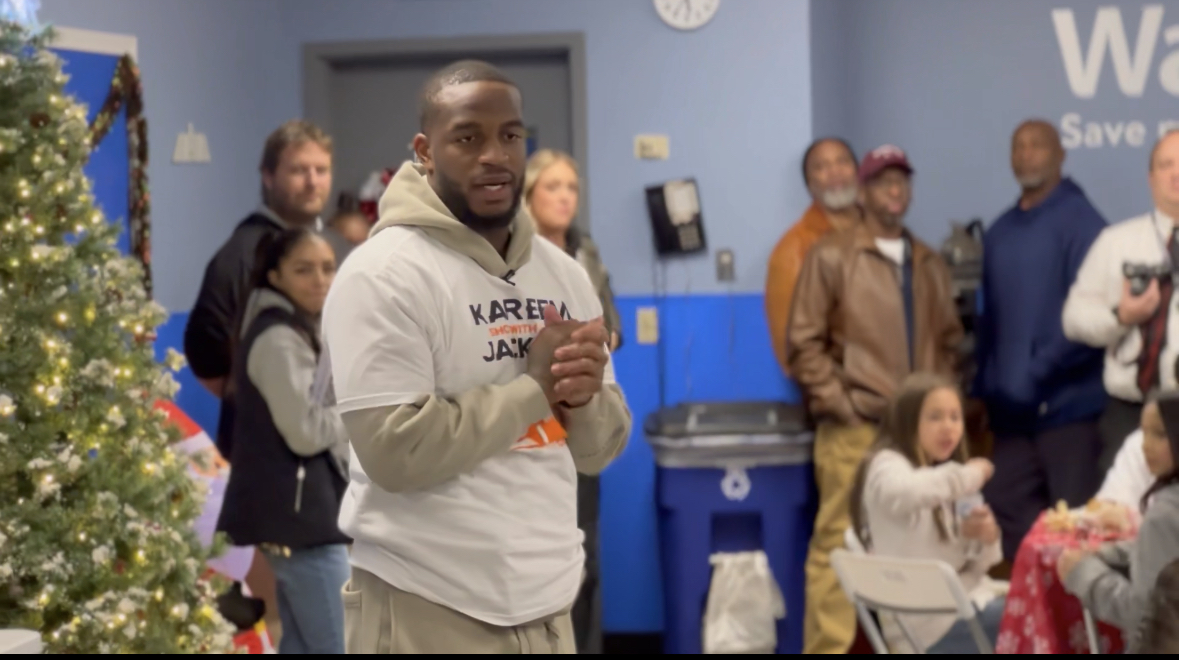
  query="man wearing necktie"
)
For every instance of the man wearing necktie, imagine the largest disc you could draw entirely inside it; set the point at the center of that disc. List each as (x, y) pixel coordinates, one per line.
(1122, 301)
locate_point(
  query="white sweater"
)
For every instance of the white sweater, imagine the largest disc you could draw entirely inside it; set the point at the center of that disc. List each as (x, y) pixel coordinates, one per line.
(1128, 478)
(899, 500)
(1088, 313)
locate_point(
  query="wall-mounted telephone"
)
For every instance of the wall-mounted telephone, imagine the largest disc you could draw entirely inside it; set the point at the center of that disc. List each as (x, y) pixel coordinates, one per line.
(674, 208)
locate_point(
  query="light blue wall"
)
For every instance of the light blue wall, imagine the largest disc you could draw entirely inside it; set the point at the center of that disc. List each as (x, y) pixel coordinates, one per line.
(949, 81)
(833, 69)
(234, 69)
(223, 65)
(733, 97)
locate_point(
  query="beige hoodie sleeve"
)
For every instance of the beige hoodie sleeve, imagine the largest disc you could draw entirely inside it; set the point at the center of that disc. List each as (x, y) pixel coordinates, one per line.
(597, 431)
(434, 439)
(416, 446)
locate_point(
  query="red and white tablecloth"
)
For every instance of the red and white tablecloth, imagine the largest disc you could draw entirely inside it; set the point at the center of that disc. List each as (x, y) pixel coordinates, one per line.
(1041, 617)
(255, 642)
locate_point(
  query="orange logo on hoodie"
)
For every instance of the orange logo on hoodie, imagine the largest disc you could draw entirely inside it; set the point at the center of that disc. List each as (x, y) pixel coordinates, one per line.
(541, 435)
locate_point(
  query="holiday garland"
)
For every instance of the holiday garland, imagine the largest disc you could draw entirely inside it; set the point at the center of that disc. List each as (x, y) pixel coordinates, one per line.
(127, 90)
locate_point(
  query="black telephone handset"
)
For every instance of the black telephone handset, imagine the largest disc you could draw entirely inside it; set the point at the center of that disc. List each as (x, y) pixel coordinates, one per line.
(674, 208)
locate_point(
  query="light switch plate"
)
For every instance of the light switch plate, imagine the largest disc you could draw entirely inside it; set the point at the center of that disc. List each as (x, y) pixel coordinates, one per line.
(726, 270)
(647, 321)
(651, 147)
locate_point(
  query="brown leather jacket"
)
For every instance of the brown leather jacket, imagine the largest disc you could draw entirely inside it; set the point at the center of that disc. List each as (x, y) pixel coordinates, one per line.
(847, 339)
(782, 273)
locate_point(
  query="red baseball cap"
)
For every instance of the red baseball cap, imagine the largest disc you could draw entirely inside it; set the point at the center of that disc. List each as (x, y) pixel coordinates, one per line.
(882, 157)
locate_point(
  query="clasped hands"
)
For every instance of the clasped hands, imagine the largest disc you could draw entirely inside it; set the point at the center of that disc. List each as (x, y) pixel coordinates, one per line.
(568, 359)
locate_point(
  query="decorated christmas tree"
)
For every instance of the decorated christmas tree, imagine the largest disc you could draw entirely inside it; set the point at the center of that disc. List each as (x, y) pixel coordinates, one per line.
(96, 510)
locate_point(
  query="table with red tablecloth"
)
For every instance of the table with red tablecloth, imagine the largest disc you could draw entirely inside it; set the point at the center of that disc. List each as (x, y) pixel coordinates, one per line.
(1040, 616)
(255, 642)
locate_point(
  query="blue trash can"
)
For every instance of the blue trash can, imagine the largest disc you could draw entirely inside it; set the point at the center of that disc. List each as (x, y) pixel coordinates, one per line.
(731, 477)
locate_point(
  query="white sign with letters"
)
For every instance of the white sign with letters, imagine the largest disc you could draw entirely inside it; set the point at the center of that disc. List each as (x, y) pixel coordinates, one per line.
(1139, 58)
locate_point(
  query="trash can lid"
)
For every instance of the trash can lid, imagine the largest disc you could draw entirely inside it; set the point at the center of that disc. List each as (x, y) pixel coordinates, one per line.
(728, 418)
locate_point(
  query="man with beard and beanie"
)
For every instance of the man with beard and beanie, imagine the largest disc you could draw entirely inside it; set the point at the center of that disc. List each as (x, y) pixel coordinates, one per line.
(1043, 392)
(468, 360)
(829, 171)
(872, 305)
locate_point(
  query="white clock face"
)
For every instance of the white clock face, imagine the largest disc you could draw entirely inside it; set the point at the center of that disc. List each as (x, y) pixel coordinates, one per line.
(686, 14)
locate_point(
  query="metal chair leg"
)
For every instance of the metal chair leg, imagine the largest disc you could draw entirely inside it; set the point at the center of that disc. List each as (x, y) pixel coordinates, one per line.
(1091, 632)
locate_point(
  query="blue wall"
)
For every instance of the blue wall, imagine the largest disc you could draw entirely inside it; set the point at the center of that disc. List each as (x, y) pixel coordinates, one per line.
(219, 64)
(949, 81)
(738, 128)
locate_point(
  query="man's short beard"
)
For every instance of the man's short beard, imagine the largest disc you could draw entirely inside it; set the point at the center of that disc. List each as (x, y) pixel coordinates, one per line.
(1030, 182)
(451, 194)
(839, 198)
(281, 204)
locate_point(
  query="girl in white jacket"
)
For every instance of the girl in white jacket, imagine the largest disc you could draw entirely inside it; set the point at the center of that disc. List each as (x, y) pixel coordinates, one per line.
(917, 496)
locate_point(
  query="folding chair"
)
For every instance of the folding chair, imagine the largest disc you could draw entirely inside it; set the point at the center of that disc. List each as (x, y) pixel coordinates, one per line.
(1091, 632)
(904, 586)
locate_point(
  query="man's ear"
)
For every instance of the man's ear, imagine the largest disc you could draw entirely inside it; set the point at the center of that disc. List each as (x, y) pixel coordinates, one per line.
(422, 151)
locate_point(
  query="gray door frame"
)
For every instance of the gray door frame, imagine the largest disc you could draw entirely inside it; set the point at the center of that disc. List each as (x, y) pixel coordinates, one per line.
(320, 58)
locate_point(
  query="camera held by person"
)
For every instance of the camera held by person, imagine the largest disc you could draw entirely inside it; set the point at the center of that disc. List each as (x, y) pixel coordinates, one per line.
(1141, 275)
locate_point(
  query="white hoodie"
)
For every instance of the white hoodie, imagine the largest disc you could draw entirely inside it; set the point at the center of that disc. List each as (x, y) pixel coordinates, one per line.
(463, 485)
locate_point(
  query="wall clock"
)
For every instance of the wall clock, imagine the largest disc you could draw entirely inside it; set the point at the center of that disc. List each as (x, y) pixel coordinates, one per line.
(686, 14)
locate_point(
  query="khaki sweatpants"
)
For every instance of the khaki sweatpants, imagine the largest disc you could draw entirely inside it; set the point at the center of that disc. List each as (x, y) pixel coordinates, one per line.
(830, 621)
(379, 618)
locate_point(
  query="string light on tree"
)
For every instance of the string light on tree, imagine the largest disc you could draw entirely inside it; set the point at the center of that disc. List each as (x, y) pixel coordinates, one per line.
(98, 552)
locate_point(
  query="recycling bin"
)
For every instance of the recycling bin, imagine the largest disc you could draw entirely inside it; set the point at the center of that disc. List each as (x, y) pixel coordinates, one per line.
(731, 477)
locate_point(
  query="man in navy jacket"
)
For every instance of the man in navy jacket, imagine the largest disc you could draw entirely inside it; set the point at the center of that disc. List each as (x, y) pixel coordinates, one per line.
(1043, 392)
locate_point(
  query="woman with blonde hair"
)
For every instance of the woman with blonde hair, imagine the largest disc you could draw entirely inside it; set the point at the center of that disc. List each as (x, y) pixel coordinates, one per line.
(551, 191)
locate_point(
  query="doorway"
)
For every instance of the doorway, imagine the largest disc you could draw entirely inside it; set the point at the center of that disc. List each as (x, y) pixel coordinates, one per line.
(365, 94)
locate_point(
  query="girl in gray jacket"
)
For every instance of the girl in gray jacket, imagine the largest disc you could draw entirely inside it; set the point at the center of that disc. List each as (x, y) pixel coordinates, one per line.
(1116, 581)
(286, 481)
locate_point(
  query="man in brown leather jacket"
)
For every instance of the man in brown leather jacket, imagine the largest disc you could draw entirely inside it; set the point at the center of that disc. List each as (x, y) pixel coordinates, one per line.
(872, 305)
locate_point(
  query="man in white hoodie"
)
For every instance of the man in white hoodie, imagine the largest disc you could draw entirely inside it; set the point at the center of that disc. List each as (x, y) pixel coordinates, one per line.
(469, 365)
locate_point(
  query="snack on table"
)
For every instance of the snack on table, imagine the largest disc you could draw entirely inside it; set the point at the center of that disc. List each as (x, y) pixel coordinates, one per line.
(1060, 519)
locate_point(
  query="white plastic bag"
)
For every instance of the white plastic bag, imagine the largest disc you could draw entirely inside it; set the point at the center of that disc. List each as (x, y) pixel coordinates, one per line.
(744, 604)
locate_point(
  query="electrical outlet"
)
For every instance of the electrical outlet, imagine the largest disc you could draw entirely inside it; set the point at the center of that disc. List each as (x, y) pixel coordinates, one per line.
(725, 268)
(647, 320)
(651, 147)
